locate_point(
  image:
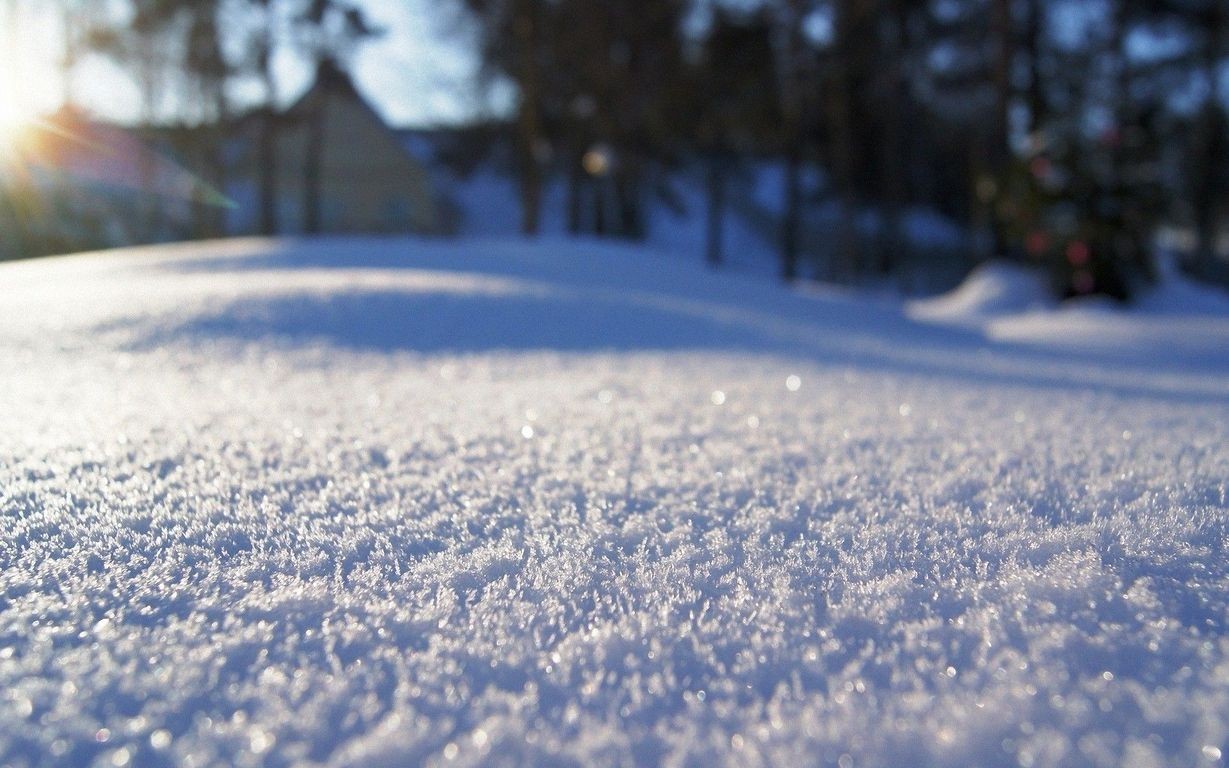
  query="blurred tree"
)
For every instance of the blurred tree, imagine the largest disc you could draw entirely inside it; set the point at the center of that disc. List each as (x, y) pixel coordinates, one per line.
(208, 70)
(1038, 122)
(512, 46)
(175, 49)
(972, 53)
(329, 33)
(1192, 144)
(847, 73)
(632, 80)
(601, 81)
(149, 43)
(1082, 193)
(263, 39)
(797, 72)
(1208, 192)
(739, 107)
(891, 93)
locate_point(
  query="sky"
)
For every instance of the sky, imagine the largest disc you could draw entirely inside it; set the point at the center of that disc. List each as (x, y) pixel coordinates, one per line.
(420, 73)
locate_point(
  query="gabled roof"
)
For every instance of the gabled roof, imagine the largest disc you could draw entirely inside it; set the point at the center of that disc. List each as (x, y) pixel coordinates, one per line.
(332, 80)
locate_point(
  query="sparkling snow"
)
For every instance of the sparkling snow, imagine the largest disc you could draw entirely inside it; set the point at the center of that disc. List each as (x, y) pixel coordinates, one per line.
(364, 503)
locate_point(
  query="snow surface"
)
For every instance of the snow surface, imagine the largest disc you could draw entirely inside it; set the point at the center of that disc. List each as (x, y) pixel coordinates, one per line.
(487, 202)
(1176, 322)
(391, 502)
(991, 290)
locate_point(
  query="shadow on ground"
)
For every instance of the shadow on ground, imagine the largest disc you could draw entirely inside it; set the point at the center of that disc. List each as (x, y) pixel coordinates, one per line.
(392, 320)
(604, 298)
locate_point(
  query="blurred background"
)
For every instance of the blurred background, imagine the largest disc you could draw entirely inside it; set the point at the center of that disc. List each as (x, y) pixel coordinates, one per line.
(889, 143)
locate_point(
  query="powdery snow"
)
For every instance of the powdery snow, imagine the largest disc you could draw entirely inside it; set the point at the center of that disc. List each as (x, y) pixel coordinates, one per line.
(992, 289)
(356, 503)
(1175, 322)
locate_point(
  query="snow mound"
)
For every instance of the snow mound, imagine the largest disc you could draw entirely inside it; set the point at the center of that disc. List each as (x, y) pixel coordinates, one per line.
(990, 290)
(1175, 322)
(391, 502)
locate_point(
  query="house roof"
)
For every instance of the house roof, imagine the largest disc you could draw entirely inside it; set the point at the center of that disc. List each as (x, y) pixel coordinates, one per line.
(332, 80)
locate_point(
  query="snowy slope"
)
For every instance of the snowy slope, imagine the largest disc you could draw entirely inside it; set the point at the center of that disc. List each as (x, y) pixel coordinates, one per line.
(1176, 322)
(487, 202)
(363, 502)
(991, 290)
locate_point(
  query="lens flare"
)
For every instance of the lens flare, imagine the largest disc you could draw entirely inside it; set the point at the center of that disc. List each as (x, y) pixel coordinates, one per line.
(14, 138)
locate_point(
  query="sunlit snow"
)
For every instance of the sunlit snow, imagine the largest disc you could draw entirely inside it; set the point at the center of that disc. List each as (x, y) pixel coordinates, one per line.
(382, 502)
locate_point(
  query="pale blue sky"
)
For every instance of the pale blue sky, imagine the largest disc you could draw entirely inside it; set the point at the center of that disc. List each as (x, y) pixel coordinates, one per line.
(420, 73)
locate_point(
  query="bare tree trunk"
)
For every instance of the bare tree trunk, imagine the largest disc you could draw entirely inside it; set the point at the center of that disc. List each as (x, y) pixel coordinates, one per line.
(217, 162)
(268, 175)
(1209, 189)
(793, 137)
(576, 181)
(1032, 45)
(999, 152)
(982, 188)
(844, 161)
(791, 221)
(210, 203)
(150, 207)
(628, 197)
(893, 248)
(599, 206)
(267, 151)
(312, 165)
(717, 163)
(1003, 30)
(528, 121)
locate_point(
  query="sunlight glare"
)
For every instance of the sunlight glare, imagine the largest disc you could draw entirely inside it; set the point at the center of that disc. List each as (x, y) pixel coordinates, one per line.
(28, 80)
(15, 126)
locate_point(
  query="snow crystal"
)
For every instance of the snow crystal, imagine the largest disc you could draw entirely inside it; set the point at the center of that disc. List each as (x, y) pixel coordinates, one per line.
(273, 504)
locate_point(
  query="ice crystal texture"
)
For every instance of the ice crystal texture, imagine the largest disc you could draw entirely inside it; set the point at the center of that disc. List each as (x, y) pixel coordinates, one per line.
(364, 503)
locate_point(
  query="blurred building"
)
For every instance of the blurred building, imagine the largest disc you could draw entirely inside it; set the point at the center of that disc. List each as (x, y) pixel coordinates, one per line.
(338, 168)
(74, 183)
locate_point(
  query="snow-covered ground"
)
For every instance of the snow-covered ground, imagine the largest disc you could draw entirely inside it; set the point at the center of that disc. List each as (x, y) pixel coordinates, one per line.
(362, 503)
(1176, 323)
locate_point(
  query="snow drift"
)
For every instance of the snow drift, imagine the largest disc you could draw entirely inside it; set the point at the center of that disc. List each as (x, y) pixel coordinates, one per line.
(355, 503)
